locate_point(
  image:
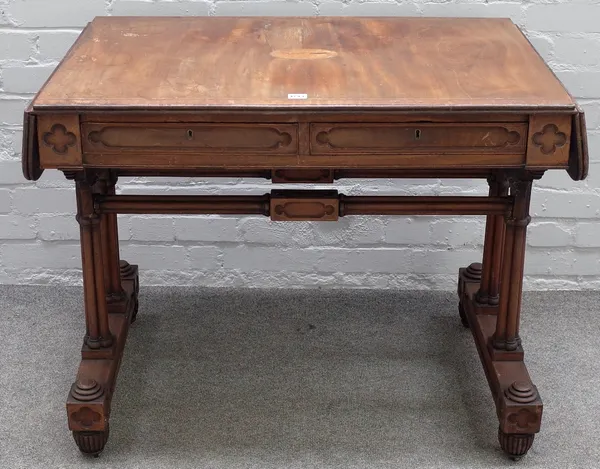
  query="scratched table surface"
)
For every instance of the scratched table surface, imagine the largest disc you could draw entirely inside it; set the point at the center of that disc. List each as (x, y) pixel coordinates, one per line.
(225, 62)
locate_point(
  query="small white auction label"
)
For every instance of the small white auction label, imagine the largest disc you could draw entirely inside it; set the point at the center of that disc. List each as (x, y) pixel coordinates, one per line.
(297, 96)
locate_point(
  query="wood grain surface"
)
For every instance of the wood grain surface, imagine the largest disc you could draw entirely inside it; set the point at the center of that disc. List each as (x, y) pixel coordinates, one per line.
(225, 62)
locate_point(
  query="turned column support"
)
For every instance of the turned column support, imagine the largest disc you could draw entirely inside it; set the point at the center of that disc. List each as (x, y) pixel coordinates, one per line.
(489, 289)
(105, 186)
(96, 312)
(506, 335)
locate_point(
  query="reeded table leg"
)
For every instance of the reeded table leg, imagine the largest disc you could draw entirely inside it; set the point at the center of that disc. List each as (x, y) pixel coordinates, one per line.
(105, 185)
(110, 293)
(487, 274)
(489, 288)
(496, 329)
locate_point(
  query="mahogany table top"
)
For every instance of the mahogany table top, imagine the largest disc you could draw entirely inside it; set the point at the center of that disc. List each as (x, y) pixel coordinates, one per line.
(225, 62)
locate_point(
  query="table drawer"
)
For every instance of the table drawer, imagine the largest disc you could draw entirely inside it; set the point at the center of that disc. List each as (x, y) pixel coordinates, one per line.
(367, 138)
(195, 138)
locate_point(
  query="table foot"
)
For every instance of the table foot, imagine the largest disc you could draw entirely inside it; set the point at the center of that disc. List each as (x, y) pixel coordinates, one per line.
(518, 404)
(89, 400)
(91, 443)
(515, 445)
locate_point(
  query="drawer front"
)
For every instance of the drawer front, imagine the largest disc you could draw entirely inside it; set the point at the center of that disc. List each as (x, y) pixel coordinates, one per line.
(195, 138)
(502, 138)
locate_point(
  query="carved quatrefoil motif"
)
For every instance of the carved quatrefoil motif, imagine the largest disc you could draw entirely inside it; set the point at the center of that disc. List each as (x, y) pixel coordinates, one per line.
(86, 417)
(549, 139)
(59, 139)
(522, 419)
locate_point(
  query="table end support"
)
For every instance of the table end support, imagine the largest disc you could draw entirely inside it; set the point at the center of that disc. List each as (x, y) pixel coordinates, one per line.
(89, 400)
(518, 404)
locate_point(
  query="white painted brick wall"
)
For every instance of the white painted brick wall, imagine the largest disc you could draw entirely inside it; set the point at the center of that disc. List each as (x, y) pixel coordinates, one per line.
(39, 235)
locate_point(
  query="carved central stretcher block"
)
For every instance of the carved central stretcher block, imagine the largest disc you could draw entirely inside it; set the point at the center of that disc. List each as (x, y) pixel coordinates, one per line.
(304, 205)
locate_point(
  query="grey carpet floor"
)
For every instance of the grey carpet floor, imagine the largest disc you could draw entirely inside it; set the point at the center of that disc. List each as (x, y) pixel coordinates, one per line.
(267, 379)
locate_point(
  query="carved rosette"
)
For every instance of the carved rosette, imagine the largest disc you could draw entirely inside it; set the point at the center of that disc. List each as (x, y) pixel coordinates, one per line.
(549, 139)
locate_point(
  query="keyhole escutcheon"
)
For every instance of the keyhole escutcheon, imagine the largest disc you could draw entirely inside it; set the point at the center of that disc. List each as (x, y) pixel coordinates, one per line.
(190, 134)
(418, 134)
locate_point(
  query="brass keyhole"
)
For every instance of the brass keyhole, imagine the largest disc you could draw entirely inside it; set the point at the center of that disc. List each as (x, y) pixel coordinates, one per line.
(190, 134)
(417, 134)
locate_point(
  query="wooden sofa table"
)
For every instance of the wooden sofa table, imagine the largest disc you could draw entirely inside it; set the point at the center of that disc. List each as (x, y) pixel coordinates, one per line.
(305, 100)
